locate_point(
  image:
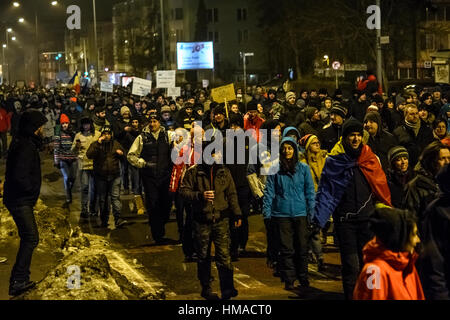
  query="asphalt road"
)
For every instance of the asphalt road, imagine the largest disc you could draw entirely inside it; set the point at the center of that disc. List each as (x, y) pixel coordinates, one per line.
(165, 264)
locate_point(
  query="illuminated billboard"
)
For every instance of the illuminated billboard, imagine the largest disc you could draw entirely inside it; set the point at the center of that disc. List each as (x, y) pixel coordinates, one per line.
(195, 55)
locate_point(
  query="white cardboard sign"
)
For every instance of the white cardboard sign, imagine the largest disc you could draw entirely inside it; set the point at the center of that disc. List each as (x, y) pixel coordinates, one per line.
(141, 87)
(166, 79)
(106, 87)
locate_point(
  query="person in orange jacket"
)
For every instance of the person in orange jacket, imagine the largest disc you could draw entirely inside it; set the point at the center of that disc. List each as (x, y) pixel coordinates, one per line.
(389, 272)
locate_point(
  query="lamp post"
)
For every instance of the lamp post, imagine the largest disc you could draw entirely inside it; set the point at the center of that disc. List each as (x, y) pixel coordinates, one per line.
(96, 42)
(3, 62)
(244, 57)
(7, 31)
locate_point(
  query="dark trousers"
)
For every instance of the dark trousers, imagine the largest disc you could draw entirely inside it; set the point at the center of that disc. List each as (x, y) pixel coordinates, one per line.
(185, 219)
(272, 242)
(293, 235)
(158, 204)
(352, 236)
(239, 236)
(136, 184)
(29, 240)
(125, 174)
(69, 173)
(219, 233)
(88, 193)
(108, 189)
(4, 141)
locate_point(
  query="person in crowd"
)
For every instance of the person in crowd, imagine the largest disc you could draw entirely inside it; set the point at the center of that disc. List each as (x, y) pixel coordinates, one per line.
(413, 134)
(123, 127)
(49, 128)
(352, 181)
(389, 271)
(425, 115)
(445, 114)
(271, 99)
(293, 114)
(423, 188)
(21, 192)
(332, 132)
(81, 144)
(440, 129)
(212, 192)
(289, 203)
(380, 141)
(325, 110)
(398, 175)
(220, 122)
(315, 158)
(252, 121)
(73, 114)
(64, 158)
(186, 117)
(106, 154)
(313, 123)
(238, 165)
(434, 262)
(151, 153)
(99, 118)
(189, 154)
(430, 110)
(257, 174)
(5, 126)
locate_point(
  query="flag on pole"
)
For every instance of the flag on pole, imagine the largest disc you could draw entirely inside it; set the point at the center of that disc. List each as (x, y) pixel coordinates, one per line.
(75, 82)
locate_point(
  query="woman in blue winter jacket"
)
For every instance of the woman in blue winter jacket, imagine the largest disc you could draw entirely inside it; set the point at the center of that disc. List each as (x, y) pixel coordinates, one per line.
(289, 200)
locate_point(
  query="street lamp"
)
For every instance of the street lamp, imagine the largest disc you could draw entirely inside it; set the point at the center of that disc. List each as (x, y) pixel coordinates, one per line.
(21, 20)
(244, 56)
(16, 4)
(54, 3)
(13, 38)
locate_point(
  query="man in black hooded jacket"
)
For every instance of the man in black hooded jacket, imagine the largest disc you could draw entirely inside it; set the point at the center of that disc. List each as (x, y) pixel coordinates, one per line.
(22, 188)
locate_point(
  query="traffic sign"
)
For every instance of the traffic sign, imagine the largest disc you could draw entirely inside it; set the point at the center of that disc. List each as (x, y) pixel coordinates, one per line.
(336, 65)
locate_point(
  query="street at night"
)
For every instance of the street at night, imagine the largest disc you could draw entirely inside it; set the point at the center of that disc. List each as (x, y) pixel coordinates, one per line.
(210, 150)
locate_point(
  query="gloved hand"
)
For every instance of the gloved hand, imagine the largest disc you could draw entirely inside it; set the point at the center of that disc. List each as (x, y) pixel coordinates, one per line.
(57, 165)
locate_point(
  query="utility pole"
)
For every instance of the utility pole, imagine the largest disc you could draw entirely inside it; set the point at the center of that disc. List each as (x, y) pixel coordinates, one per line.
(163, 37)
(96, 43)
(379, 52)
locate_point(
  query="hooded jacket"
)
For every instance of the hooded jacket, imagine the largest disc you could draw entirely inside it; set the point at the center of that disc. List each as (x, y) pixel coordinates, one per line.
(84, 162)
(434, 264)
(289, 195)
(106, 160)
(23, 166)
(388, 275)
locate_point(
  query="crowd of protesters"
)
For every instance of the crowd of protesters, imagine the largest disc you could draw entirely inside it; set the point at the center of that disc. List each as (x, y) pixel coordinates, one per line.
(375, 167)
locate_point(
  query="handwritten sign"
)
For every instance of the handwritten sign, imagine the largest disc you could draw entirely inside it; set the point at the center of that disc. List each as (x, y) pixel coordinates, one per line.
(221, 94)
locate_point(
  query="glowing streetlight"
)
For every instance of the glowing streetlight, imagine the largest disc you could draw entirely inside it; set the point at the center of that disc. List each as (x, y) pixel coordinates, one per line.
(21, 20)
(4, 45)
(9, 30)
(16, 4)
(54, 3)
(13, 38)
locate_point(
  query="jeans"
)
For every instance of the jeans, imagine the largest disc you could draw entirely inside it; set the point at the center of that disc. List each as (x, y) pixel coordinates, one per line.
(136, 183)
(352, 236)
(158, 204)
(239, 236)
(88, 194)
(29, 240)
(69, 172)
(108, 188)
(125, 174)
(4, 140)
(293, 258)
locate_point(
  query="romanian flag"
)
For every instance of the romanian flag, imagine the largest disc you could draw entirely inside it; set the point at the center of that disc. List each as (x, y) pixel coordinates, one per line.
(75, 82)
(336, 176)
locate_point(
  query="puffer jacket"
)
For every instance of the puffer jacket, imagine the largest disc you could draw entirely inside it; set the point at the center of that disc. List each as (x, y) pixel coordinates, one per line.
(287, 195)
(197, 181)
(388, 275)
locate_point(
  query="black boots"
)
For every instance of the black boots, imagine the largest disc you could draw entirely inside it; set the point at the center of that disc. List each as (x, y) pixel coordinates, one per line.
(16, 288)
(208, 294)
(227, 284)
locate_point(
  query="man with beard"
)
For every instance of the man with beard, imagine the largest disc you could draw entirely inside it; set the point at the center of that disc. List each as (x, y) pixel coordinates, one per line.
(22, 188)
(99, 119)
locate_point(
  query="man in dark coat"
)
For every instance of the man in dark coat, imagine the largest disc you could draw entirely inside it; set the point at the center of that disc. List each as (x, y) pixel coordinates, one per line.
(22, 188)
(434, 265)
(332, 132)
(413, 134)
(359, 107)
(380, 141)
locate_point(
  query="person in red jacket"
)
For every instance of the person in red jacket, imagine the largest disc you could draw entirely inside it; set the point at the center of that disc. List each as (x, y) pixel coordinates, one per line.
(389, 272)
(252, 121)
(5, 126)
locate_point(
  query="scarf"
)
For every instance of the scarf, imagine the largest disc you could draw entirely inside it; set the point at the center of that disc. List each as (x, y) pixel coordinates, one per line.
(414, 126)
